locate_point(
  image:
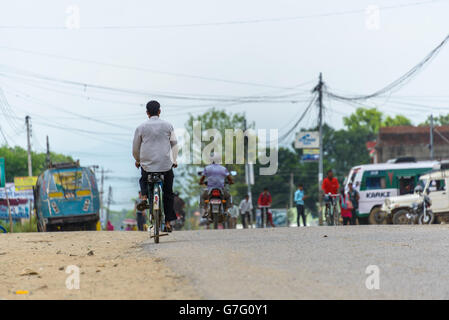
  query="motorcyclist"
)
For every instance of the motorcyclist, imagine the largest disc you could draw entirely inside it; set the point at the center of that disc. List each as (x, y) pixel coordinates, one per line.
(216, 175)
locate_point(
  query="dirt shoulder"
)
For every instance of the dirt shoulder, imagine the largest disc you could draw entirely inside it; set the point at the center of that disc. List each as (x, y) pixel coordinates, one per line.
(112, 265)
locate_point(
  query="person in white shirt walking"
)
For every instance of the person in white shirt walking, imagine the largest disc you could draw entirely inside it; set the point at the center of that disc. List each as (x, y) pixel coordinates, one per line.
(155, 151)
(245, 211)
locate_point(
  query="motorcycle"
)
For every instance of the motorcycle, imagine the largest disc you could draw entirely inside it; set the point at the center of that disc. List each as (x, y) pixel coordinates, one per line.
(216, 207)
(419, 213)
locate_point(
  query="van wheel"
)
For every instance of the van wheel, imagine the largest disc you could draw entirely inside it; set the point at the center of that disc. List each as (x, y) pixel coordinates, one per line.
(377, 217)
(400, 217)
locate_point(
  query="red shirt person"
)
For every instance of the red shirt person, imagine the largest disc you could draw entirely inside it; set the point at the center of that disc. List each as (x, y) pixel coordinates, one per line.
(264, 198)
(330, 184)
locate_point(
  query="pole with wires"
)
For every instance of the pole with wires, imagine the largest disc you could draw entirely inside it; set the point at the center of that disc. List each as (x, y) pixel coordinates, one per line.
(431, 137)
(30, 168)
(319, 89)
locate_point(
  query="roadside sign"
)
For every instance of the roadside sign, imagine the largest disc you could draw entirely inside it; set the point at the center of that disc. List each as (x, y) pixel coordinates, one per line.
(2, 172)
(309, 139)
(24, 183)
(310, 155)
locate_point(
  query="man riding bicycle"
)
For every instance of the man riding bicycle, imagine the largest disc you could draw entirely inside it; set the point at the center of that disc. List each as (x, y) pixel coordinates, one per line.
(216, 175)
(330, 184)
(155, 151)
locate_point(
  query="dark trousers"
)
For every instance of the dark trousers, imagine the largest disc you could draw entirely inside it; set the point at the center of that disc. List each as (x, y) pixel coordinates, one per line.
(246, 219)
(354, 216)
(167, 191)
(141, 220)
(301, 213)
(347, 221)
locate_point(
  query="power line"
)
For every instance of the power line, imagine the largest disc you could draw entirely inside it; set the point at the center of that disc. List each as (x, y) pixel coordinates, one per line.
(175, 96)
(398, 83)
(141, 69)
(221, 23)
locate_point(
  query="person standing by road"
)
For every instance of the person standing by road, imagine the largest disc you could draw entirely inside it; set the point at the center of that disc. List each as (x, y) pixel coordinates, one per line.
(141, 217)
(354, 196)
(346, 207)
(299, 201)
(155, 150)
(264, 202)
(233, 215)
(246, 207)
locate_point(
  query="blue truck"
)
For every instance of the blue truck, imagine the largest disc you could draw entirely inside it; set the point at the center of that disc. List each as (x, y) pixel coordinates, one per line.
(66, 198)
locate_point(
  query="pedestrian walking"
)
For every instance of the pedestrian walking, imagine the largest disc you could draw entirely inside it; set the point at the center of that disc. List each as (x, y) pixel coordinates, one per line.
(141, 217)
(246, 207)
(299, 201)
(354, 196)
(346, 207)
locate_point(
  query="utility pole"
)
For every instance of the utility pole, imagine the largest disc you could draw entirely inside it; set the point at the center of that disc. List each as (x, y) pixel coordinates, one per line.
(247, 169)
(319, 89)
(30, 168)
(101, 193)
(48, 160)
(109, 204)
(291, 190)
(431, 137)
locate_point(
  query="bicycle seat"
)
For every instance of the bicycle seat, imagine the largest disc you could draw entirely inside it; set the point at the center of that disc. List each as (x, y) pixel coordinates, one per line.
(155, 177)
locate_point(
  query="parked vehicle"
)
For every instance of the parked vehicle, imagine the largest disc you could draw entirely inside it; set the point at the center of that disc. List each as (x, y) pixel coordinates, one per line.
(377, 182)
(66, 198)
(434, 186)
(419, 212)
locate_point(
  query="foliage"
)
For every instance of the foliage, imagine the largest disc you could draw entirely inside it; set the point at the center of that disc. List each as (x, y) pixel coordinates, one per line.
(371, 120)
(25, 226)
(16, 161)
(219, 120)
(441, 120)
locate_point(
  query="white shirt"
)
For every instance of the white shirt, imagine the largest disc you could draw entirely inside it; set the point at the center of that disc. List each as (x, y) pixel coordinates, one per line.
(152, 145)
(245, 206)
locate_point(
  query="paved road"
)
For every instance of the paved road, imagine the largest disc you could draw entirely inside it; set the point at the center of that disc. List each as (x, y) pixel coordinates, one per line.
(311, 263)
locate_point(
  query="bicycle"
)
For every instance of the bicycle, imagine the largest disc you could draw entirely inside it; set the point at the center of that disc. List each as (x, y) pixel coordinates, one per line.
(331, 211)
(155, 182)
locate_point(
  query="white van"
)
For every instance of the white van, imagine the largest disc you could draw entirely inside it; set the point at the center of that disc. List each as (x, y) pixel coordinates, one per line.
(376, 182)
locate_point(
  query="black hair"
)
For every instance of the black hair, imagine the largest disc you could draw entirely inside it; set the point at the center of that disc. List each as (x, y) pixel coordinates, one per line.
(265, 189)
(300, 185)
(153, 108)
(330, 170)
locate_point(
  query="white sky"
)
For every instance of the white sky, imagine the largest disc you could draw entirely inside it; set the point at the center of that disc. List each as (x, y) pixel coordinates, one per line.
(353, 59)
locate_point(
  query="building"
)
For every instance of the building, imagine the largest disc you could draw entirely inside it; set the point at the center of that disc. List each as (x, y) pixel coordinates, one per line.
(410, 141)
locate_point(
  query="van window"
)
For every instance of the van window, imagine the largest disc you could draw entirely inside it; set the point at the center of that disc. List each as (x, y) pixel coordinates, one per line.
(375, 183)
(437, 185)
(406, 185)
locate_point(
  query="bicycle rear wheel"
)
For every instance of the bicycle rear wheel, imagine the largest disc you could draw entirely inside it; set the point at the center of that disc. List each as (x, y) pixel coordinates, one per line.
(156, 214)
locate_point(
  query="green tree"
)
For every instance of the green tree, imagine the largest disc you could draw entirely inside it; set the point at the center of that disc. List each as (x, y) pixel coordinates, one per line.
(219, 120)
(399, 120)
(16, 161)
(370, 120)
(441, 120)
(363, 118)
